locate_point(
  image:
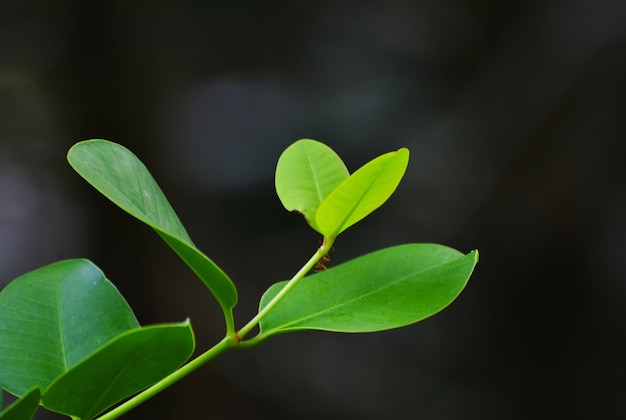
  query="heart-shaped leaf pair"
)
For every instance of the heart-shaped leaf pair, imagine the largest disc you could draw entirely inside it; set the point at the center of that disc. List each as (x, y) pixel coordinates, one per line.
(121, 177)
(65, 331)
(313, 180)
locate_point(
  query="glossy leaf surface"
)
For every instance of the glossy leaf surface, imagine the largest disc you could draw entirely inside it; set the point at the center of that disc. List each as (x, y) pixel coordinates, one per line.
(23, 408)
(126, 365)
(121, 177)
(386, 289)
(306, 173)
(52, 318)
(362, 193)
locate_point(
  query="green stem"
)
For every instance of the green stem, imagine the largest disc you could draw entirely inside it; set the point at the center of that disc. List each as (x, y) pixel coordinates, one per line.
(225, 344)
(321, 251)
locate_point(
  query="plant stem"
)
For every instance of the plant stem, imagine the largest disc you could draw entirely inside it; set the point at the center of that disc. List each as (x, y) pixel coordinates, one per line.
(321, 251)
(225, 344)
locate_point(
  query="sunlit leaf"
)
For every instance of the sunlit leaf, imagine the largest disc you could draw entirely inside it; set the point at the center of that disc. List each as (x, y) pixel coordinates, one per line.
(127, 364)
(121, 177)
(362, 193)
(386, 289)
(23, 408)
(307, 171)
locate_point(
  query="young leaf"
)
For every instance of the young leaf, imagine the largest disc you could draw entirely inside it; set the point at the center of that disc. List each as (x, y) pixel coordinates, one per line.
(23, 408)
(124, 366)
(386, 289)
(362, 193)
(52, 318)
(121, 177)
(306, 172)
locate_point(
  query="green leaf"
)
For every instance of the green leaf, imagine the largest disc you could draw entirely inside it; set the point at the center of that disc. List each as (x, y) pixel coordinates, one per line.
(52, 318)
(306, 172)
(386, 289)
(65, 328)
(23, 408)
(362, 193)
(121, 177)
(126, 365)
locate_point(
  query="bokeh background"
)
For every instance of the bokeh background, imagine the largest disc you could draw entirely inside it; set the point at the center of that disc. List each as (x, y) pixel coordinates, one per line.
(515, 114)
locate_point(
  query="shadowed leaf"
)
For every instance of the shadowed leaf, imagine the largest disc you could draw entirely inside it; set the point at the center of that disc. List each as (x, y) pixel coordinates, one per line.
(124, 366)
(52, 318)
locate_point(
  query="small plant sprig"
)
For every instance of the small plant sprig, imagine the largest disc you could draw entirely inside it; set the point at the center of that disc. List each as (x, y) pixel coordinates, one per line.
(69, 341)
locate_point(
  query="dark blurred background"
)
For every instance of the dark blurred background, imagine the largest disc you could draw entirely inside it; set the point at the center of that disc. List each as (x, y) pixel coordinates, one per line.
(515, 115)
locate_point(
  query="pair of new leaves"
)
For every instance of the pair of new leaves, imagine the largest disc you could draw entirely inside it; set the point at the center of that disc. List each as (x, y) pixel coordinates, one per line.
(313, 180)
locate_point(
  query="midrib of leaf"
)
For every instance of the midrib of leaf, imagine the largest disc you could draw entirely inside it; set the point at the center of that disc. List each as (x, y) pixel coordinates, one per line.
(355, 205)
(315, 178)
(360, 297)
(357, 202)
